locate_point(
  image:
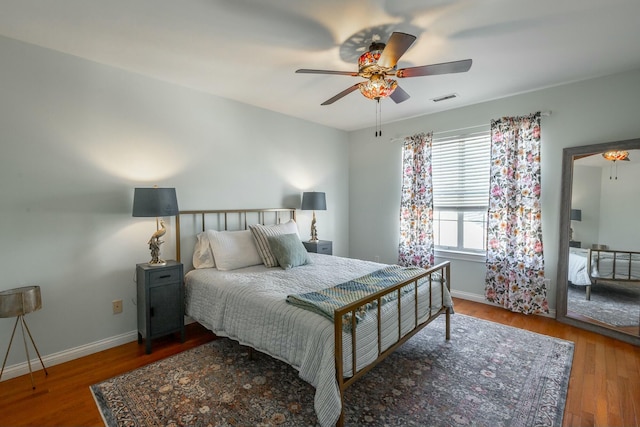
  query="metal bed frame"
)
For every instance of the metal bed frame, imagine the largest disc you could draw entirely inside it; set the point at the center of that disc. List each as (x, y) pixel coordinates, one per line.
(622, 263)
(443, 271)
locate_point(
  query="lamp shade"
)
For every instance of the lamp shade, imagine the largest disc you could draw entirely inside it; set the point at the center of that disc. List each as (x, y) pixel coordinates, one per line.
(20, 301)
(150, 202)
(576, 215)
(313, 201)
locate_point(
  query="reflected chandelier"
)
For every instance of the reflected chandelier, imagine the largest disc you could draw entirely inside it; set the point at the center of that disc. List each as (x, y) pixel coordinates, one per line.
(616, 155)
(613, 156)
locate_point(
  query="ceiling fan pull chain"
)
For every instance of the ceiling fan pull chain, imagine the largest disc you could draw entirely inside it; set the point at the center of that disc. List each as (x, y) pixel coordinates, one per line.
(379, 118)
(613, 169)
(376, 121)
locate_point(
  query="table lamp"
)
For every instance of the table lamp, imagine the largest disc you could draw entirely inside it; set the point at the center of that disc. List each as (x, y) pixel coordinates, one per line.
(155, 202)
(313, 201)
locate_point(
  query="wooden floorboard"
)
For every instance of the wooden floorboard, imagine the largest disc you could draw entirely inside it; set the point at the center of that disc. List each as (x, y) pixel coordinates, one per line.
(604, 387)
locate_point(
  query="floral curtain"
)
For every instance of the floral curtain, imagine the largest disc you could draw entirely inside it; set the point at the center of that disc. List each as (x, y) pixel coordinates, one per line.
(515, 262)
(416, 204)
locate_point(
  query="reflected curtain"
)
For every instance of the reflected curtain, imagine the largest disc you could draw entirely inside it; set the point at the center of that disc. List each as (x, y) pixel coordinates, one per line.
(416, 204)
(515, 261)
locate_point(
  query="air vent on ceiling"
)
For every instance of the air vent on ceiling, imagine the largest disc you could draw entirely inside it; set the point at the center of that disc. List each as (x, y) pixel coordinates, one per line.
(445, 97)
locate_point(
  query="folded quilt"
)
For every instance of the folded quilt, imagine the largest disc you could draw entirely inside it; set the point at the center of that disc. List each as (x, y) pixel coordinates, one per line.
(326, 301)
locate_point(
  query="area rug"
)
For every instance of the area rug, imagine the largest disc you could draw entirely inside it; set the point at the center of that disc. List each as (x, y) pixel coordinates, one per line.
(487, 375)
(614, 303)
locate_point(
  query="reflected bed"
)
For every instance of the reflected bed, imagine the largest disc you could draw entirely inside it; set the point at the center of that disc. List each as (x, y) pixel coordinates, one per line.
(588, 266)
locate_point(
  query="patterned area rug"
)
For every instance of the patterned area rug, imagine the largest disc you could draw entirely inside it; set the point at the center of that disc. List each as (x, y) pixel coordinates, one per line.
(616, 304)
(487, 375)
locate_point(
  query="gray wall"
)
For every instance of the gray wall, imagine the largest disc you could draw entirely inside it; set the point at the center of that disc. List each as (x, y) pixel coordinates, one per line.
(587, 112)
(609, 207)
(586, 195)
(78, 137)
(619, 207)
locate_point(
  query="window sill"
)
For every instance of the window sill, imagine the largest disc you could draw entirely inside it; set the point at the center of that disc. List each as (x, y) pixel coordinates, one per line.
(462, 256)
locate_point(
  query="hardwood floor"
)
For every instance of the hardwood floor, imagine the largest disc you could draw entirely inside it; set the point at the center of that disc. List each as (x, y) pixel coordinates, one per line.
(631, 330)
(604, 388)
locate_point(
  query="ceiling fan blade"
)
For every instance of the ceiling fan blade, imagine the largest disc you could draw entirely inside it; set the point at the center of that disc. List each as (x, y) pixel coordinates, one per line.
(396, 47)
(341, 94)
(435, 69)
(399, 95)
(341, 73)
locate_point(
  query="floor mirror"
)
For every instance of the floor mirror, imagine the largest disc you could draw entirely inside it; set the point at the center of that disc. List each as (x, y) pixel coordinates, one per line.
(598, 284)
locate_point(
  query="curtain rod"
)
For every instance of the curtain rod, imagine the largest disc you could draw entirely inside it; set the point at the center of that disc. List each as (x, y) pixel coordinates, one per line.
(546, 113)
(402, 138)
(542, 113)
(485, 125)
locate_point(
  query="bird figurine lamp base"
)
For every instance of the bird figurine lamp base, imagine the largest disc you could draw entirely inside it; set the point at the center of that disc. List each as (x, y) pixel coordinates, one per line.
(155, 242)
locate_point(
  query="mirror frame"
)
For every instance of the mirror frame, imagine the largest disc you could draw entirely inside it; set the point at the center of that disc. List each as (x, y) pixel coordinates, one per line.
(568, 155)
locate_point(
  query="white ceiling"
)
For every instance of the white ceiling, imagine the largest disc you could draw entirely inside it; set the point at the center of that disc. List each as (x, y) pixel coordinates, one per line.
(248, 50)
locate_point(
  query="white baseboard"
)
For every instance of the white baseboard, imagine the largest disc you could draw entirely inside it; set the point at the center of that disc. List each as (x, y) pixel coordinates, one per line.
(67, 355)
(107, 343)
(72, 353)
(480, 298)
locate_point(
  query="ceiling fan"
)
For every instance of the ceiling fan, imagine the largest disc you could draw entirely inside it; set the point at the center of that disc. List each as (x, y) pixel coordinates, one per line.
(380, 62)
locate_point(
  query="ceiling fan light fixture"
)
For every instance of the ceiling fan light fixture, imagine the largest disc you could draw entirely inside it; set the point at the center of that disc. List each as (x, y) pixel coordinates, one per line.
(616, 155)
(369, 59)
(380, 61)
(378, 87)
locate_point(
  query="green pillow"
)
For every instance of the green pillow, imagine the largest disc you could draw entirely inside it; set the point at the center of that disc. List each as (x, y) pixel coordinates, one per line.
(288, 250)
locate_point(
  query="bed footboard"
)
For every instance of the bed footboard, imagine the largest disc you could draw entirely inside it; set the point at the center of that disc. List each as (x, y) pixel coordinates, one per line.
(612, 265)
(443, 269)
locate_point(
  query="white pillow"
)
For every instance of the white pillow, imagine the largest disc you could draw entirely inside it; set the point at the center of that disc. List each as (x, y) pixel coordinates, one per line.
(260, 234)
(234, 249)
(202, 254)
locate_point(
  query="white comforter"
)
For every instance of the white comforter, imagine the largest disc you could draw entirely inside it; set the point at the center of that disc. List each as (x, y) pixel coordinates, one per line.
(249, 305)
(578, 273)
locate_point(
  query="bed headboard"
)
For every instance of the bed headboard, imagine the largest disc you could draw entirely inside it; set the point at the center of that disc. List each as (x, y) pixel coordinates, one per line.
(190, 223)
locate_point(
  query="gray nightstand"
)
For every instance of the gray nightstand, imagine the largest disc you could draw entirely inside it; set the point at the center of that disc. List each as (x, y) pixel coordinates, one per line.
(160, 301)
(321, 247)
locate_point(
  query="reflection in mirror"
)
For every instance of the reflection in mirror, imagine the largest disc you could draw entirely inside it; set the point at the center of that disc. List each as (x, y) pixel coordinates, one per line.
(599, 259)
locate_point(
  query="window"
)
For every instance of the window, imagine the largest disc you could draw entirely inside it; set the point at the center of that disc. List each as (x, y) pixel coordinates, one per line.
(460, 174)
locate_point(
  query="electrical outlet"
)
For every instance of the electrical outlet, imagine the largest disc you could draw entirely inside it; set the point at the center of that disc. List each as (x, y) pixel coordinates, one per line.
(376, 258)
(117, 306)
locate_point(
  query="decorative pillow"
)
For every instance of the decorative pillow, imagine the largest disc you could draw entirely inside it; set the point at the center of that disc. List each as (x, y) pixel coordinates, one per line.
(288, 250)
(202, 254)
(261, 232)
(234, 249)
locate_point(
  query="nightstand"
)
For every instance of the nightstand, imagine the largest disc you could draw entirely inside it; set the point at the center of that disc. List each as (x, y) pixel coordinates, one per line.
(320, 247)
(160, 301)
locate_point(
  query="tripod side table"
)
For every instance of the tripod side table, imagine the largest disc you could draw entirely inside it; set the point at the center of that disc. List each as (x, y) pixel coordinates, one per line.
(18, 302)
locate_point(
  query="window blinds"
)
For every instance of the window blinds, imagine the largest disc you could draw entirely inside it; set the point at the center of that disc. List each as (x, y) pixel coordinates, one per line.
(460, 171)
